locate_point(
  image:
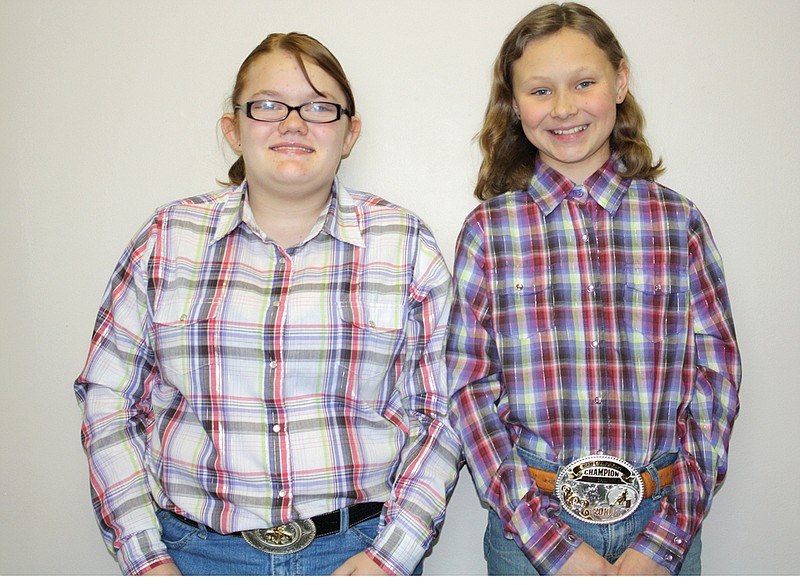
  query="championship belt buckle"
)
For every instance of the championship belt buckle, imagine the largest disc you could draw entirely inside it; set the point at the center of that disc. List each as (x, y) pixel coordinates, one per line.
(599, 489)
(284, 539)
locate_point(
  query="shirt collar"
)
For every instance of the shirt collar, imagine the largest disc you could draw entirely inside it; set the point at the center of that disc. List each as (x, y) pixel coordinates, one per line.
(549, 187)
(231, 214)
(342, 220)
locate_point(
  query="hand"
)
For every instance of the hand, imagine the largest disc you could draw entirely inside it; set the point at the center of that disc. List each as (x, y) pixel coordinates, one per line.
(586, 561)
(360, 564)
(163, 570)
(632, 562)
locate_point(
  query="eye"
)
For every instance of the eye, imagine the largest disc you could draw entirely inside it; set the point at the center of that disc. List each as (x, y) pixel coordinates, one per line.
(320, 108)
(540, 92)
(267, 106)
(585, 84)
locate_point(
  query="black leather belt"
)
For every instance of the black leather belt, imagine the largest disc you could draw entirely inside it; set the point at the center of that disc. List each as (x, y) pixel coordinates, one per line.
(326, 524)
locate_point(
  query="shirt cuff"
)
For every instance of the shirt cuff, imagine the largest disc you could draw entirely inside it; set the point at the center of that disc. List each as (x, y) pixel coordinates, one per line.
(141, 552)
(547, 545)
(395, 550)
(665, 543)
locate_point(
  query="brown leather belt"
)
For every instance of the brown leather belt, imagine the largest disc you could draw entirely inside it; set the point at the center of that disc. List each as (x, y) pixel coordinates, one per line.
(546, 480)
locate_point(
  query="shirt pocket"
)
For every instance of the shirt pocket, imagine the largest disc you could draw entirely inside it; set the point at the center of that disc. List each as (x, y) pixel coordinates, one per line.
(182, 347)
(522, 304)
(373, 338)
(655, 305)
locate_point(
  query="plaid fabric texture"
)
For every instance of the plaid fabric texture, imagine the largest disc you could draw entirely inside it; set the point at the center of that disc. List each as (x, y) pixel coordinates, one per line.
(244, 386)
(592, 319)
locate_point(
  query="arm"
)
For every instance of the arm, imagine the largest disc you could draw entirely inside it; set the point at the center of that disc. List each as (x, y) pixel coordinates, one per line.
(427, 467)
(111, 393)
(704, 425)
(478, 410)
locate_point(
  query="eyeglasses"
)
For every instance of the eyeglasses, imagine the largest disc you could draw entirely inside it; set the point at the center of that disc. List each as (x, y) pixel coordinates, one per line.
(274, 111)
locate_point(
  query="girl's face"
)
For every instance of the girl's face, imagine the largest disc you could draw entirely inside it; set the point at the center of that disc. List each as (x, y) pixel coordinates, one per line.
(293, 157)
(566, 93)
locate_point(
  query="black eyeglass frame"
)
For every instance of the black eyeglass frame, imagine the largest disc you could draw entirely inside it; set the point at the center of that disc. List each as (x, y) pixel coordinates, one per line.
(248, 106)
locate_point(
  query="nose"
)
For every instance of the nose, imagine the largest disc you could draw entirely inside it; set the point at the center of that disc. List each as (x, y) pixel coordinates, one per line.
(293, 123)
(564, 105)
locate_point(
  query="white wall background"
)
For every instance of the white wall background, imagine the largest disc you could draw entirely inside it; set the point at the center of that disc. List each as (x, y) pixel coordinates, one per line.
(110, 108)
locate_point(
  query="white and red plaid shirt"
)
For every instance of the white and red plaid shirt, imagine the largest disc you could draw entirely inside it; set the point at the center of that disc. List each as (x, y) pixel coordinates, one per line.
(244, 386)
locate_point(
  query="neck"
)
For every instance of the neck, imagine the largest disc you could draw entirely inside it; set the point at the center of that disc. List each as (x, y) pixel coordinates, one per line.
(287, 219)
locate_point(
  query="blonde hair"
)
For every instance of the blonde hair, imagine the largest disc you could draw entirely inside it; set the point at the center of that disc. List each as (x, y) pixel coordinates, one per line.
(508, 156)
(302, 47)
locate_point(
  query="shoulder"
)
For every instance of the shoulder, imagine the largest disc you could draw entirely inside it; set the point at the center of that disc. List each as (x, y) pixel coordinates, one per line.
(499, 207)
(374, 211)
(649, 189)
(651, 193)
(209, 203)
(198, 214)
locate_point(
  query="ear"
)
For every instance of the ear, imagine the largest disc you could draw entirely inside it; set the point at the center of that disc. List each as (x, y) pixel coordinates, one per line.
(353, 132)
(623, 77)
(230, 128)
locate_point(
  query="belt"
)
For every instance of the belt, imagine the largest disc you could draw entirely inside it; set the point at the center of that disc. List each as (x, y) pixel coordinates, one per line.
(326, 524)
(546, 480)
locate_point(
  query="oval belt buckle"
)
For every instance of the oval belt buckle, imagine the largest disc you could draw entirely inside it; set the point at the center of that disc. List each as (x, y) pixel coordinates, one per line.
(284, 539)
(599, 489)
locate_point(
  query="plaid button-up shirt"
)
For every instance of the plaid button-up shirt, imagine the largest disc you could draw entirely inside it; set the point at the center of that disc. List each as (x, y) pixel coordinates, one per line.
(592, 319)
(244, 386)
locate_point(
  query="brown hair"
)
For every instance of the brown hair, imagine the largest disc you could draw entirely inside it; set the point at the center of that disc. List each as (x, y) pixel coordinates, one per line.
(302, 47)
(508, 156)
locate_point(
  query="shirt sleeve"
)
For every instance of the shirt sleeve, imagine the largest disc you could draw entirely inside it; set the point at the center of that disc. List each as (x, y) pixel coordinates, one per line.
(478, 415)
(704, 425)
(116, 415)
(428, 462)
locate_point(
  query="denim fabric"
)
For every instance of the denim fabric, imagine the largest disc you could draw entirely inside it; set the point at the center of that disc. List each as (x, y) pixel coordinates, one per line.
(198, 551)
(503, 556)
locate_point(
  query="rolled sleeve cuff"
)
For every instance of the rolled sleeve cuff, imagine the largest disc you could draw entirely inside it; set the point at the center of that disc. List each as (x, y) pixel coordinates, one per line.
(141, 552)
(665, 543)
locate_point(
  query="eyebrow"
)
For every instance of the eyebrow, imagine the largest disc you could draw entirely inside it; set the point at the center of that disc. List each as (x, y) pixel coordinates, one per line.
(269, 94)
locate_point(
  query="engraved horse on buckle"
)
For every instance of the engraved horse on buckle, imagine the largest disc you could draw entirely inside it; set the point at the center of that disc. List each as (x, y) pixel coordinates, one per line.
(284, 539)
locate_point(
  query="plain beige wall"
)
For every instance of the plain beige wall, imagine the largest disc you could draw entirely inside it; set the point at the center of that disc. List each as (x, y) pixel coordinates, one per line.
(110, 108)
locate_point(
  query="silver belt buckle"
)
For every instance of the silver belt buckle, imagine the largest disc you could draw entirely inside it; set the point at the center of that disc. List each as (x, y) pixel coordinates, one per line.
(600, 489)
(284, 539)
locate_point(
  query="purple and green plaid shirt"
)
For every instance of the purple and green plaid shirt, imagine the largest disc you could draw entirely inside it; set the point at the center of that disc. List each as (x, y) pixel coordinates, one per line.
(592, 319)
(244, 386)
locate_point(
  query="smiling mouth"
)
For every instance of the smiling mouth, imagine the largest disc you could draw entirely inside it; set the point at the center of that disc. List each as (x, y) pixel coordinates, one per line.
(292, 148)
(574, 130)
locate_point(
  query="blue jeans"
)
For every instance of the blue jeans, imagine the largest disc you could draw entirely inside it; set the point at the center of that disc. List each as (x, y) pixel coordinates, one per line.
(503, 556)
(199, 551)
